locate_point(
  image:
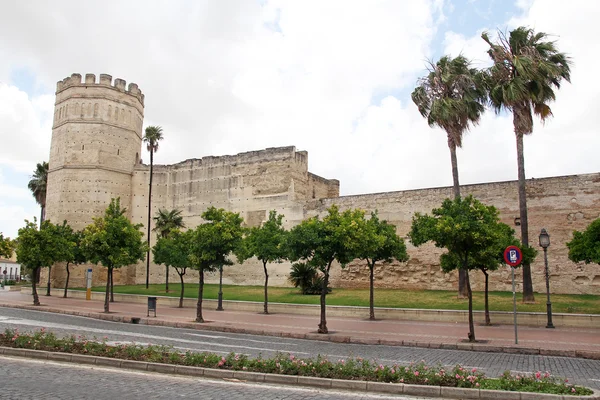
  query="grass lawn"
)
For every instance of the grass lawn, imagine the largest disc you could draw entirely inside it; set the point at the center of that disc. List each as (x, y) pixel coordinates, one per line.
(394, 298)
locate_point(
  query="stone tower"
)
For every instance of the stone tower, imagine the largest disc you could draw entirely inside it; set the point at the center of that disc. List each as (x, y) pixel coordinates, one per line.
(96, 142)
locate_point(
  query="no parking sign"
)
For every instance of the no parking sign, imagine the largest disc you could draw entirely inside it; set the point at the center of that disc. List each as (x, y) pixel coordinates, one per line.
(513, 256)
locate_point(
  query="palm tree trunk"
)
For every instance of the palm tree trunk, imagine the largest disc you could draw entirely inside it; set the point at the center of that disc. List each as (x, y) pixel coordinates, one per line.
(527, 282)
(486, 302)
(181, 294)
(36, 299)
(48, 287)
(149, 218)
(266, 306)
(67, 281)
(200, 291)
(107, 293)
(371, 290)
(462, 279)
(323, 323)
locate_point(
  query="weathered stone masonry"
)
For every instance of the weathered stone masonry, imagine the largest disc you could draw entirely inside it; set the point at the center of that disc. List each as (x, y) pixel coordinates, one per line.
(95, 156)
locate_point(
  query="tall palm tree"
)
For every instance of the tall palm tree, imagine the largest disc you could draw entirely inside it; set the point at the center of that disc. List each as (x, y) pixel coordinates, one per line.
(452, 96)
(164, 222)
(38, 184)
(527, 67)
(151, 138)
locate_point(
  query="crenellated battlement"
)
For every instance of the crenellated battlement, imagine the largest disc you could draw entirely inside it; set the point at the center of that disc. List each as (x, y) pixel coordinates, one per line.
(105, 81)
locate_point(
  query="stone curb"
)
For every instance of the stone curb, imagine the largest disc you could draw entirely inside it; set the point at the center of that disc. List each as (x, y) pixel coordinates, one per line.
(586, 354)
(322, 383)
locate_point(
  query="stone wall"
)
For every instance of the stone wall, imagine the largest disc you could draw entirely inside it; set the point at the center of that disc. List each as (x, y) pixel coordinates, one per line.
(560, 204)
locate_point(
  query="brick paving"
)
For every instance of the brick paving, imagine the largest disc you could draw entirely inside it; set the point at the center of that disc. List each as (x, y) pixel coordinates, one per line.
(561, 341)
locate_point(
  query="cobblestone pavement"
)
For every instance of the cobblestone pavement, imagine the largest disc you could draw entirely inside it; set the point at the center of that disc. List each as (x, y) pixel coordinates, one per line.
(578, 371)
(41, 380)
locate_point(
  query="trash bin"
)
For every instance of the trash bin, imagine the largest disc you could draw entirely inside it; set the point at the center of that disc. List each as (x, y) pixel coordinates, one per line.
(151, 305)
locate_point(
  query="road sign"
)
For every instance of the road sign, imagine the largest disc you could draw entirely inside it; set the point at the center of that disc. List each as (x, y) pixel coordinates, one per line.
(513, 256)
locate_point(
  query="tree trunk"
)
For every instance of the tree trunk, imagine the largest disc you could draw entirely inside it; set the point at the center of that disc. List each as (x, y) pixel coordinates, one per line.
(149, 218)
(266, 307)
(181, 294)
(486, 302)
(67, 281)
(48, 287)
(471, 323)
(200, 290)
(107, 293)
(167, 279)
(527, 282)
(323, 323)
(462, 280)
(371, 289)
(112, 289)
(36, 299)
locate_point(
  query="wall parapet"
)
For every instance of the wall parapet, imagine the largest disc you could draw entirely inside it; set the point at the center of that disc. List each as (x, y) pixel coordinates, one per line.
(105, 81)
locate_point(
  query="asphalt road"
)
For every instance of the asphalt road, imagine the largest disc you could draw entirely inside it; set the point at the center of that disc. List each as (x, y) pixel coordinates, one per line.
(578, 371)
(25, 379)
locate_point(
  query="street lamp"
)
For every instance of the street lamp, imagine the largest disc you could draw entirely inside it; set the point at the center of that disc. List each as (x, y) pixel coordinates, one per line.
(544, 243)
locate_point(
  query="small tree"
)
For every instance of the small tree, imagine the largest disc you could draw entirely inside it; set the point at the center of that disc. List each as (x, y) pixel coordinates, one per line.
(38, 248)
(490, 259)
(267, 244)
(321, 242)
(113, 241)
(164, 222)
(379, 242)
(174, 250)
(73, 253)
(7, 246)
(585, 246)
(211, 244)
(466, 228)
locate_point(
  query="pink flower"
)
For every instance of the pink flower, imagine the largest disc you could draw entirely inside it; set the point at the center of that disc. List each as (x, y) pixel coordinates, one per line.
(477, 384)
(538, 375)
(393, 371)
(416, 373)
(573, 390)
(474, 370)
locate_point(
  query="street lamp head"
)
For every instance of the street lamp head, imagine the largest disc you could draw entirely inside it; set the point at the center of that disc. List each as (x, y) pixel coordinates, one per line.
(544, 238)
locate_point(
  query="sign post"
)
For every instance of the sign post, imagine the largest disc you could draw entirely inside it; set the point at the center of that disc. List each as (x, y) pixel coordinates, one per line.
(513, 257)
(88, 279)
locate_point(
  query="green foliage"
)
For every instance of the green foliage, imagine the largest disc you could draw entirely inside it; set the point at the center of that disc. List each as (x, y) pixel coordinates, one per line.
(153, 135)
(288, 364)
(527, 67)
(319, 242)
(39, 248)
(307, 278)
(212, 242)
(173, 250)
(7, 246)
(39, 182)
(451, 96)
(465, 227)
(266, 242)
(113, 240)
(585, 246)
(167, 220)
(380, 242)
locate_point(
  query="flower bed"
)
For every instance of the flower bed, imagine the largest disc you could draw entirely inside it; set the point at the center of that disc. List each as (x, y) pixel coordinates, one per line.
(287, 364)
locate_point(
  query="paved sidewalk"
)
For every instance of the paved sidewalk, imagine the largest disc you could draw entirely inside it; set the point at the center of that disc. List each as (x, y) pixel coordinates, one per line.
(569, 342)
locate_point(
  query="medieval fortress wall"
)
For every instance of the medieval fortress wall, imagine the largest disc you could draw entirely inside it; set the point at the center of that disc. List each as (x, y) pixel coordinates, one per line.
(95, 156)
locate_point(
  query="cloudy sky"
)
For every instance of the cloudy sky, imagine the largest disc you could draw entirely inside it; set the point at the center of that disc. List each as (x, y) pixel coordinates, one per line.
(330, 77)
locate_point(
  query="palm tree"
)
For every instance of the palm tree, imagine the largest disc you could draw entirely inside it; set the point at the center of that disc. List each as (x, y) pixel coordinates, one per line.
(38, 184)
(164, 222)
(152, 137)
(452, 96)
(527, 67)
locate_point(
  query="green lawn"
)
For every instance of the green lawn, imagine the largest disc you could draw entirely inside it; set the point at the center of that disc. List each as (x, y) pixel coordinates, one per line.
(394, 298)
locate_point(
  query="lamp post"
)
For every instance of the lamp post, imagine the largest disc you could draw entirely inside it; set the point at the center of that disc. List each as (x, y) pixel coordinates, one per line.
(544, 243)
